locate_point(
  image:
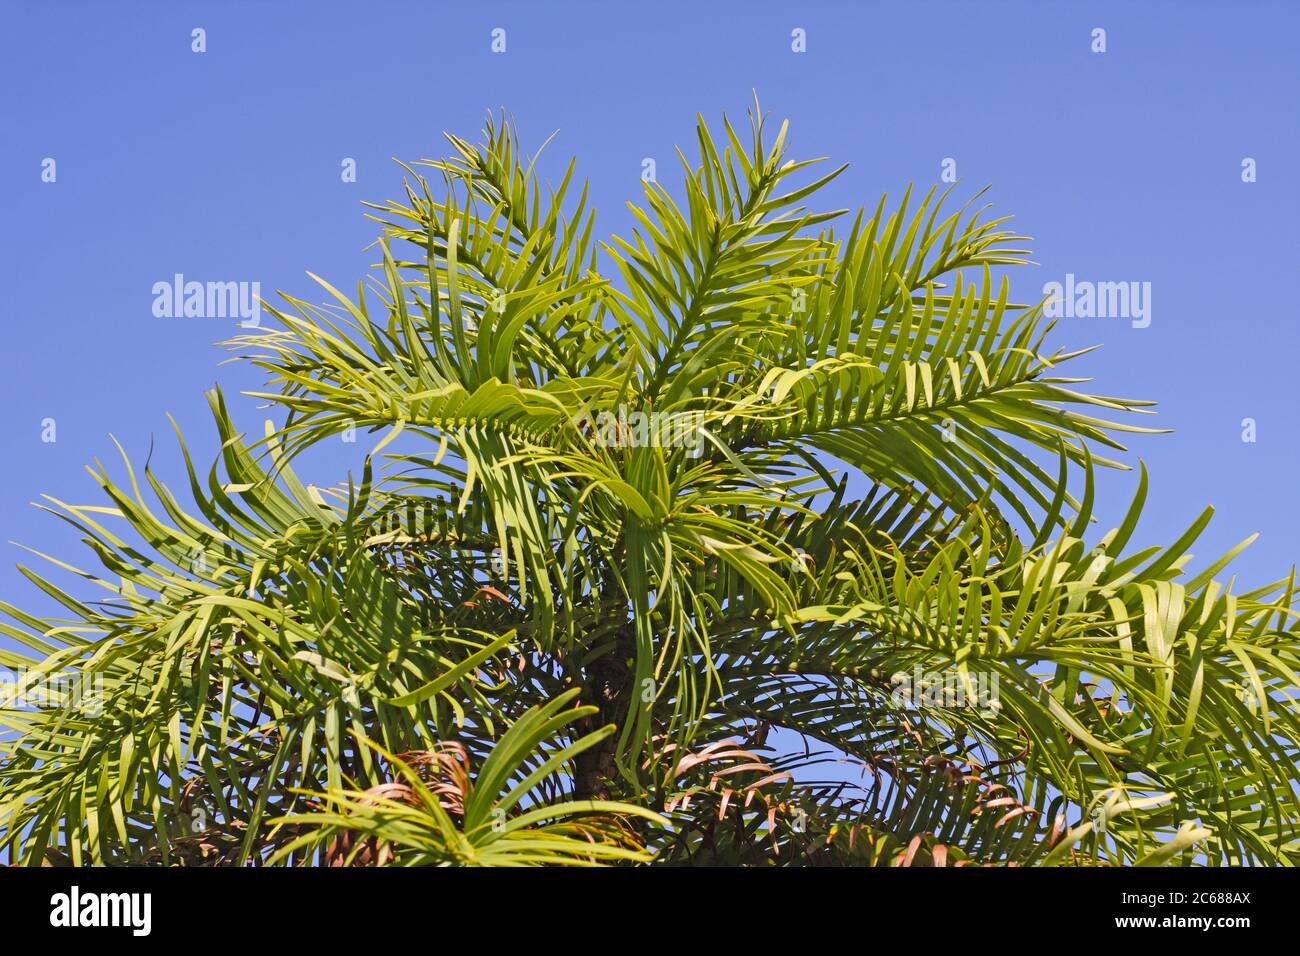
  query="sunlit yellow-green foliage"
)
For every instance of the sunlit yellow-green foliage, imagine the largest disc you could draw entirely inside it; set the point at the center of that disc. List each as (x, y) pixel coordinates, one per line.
(521, 634)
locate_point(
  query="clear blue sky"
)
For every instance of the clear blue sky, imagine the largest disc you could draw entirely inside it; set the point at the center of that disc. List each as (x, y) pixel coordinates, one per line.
(1124, 166)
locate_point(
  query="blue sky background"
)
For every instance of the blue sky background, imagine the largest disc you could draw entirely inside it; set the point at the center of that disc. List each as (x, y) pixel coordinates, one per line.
(1124, 166)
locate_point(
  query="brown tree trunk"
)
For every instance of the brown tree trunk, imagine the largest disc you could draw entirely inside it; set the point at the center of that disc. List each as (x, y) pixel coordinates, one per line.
(605, 687)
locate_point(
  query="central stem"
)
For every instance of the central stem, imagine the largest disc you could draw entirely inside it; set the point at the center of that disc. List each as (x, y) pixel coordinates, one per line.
(605, 688)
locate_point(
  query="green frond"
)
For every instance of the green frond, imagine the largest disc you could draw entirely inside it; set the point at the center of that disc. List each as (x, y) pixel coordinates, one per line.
(637, 515)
